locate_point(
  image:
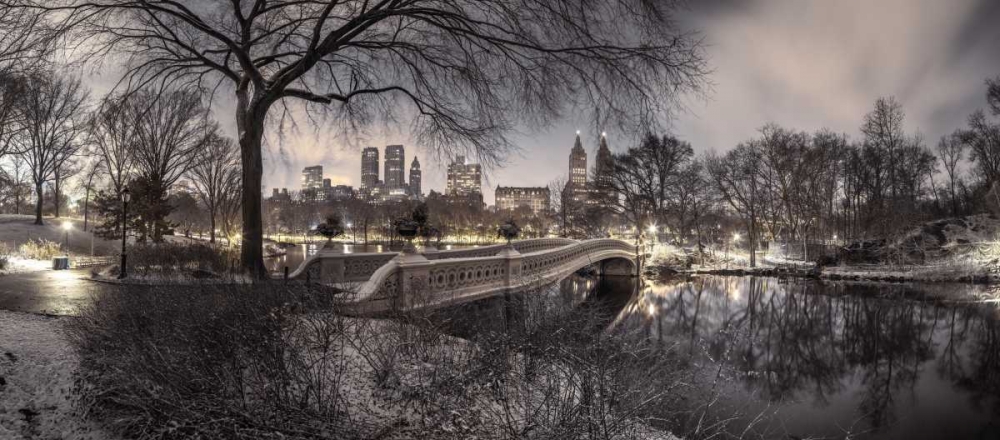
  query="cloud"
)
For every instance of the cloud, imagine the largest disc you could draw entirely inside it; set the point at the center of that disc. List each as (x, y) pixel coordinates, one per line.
(811, 64)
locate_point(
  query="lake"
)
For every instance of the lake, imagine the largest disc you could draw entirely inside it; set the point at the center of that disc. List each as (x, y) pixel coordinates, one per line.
(812, 359)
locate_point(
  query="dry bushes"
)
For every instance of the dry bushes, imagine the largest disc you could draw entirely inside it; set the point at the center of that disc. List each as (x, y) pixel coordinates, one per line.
(40, 249)
(168, 258)
(211, 362)
(270, 362)
(5, 255)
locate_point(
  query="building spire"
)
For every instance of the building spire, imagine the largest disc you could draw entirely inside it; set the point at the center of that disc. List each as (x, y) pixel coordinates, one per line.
(578, 145)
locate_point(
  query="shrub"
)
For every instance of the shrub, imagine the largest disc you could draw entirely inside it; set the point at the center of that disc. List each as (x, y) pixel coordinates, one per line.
(168, 258)
(40, 249)
(211, 362)
(5, 254)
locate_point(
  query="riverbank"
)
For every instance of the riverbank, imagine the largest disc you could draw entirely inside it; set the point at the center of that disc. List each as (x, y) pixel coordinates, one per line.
(873, 273)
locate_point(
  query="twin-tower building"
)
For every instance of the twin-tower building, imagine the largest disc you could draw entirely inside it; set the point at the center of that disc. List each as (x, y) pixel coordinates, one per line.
(394, 183)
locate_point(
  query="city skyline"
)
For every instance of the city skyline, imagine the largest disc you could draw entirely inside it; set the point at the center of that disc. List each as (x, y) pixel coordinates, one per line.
(826, 80)
(432, 171)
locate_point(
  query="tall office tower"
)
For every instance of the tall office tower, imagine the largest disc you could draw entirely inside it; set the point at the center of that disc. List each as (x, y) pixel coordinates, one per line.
(312, 178)
(603, 165)
(415, 176)
(576, 185)
(464, 179)
(578, 164)
(395, 161)
(369, 169)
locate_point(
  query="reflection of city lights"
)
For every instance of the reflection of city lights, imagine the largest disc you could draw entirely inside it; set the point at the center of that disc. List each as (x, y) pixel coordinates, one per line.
(67, 225)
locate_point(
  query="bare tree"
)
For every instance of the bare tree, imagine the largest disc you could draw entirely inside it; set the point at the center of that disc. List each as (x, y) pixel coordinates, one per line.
(983, 139)
(951, 149)
(212, 175)
(93, 171)
(993, 94)
(11, 90)
(464, 72)
(52, 105)
(112, 131)
(883, 129)
(171, 128)
(736, 176)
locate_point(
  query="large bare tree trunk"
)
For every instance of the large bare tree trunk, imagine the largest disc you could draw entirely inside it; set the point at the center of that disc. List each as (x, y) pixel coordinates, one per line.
(56, 188)
(250, 122)
(38, 203)
(211, 231)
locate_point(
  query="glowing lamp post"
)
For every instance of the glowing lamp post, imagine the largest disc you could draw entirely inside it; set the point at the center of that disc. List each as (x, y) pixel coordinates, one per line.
(66, 227)
(125, 199)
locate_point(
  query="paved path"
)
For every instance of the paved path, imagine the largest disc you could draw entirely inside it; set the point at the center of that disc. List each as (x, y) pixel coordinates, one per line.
(48, 291)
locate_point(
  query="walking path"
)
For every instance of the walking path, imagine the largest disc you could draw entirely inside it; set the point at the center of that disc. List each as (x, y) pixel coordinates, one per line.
(48, 292)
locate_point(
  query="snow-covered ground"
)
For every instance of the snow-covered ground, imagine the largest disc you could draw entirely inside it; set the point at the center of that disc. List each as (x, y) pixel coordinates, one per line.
(15, 230)
(37, 365)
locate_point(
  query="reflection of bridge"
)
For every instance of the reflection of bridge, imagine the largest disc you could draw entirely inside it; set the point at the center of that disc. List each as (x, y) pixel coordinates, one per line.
(389, 281)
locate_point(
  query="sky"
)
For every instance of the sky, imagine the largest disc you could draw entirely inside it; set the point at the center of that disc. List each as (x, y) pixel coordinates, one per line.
(805, 65)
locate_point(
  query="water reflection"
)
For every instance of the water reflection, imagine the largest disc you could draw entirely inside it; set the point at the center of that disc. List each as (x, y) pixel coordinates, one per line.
(818, 360)
(837, 358)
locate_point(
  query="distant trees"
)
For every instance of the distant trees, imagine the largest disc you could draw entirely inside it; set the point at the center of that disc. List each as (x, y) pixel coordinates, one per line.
(646, 179)
(52, 106)
(950, 151)
(215, 170)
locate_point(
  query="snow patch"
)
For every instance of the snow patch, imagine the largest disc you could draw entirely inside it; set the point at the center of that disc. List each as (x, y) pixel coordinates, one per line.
(37, 365)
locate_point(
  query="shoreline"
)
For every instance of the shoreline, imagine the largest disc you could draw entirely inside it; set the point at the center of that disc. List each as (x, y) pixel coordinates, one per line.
(884, 275)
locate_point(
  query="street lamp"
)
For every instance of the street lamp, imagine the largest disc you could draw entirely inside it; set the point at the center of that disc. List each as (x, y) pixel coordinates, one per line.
(125, 199)
(66, 227)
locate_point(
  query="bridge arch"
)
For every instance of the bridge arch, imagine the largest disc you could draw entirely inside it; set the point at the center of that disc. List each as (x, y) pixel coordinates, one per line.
(410, 281)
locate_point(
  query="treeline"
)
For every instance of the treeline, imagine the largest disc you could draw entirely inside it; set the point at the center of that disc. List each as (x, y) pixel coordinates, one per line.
(161, 145)
(788, 185)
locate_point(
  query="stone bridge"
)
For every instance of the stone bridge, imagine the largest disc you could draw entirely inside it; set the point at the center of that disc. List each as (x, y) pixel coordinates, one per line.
(381, 282)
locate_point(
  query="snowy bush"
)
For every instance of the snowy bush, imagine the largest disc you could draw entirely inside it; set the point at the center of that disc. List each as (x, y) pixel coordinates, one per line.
(5, 256)
(40, 249)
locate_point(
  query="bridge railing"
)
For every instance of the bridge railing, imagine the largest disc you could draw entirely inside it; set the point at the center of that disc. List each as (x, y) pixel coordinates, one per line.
(522, 246)
(330, 266)
(542, 262)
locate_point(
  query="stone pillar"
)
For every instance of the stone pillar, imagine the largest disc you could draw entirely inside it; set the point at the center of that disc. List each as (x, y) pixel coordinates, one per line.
(513, 266)
(431, 252)
(412, 284)
(331, 265)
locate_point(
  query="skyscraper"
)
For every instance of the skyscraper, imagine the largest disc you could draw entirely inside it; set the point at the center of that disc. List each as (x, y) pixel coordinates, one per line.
(312, 178)
(603, 165)
(395, 160)
(415, 177)
(464, 179)
(576, 185)
(369, 169)
(578, 164)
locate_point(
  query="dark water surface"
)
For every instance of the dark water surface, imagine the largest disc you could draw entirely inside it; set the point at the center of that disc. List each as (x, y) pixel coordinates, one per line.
(816, 360)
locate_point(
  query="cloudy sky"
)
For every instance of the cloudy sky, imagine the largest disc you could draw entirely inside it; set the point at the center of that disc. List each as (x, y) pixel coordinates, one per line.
(802, 64)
